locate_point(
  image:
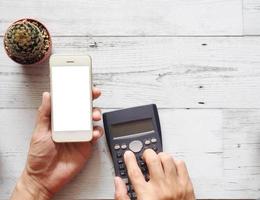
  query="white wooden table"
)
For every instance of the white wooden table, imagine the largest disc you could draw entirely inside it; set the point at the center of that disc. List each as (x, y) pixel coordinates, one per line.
(198, 60)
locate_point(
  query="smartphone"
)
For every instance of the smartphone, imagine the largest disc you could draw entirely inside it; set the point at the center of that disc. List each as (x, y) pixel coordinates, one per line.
(71, 98)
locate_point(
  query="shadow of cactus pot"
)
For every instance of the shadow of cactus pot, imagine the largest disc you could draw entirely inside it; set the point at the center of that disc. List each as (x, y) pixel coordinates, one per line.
(27, 42)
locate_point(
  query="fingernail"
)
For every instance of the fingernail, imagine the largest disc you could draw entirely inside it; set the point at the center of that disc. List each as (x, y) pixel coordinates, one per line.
(127, 154)
(44, 94)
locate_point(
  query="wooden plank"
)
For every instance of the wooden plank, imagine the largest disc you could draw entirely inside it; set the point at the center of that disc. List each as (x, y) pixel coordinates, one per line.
(218, 72)
(221, 151)
(129, 17)
(251, 13)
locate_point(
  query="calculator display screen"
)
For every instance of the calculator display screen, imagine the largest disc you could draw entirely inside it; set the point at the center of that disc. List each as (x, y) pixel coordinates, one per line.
(132, 127)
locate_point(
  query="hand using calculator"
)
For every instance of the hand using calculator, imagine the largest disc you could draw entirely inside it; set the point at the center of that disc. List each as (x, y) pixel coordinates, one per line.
(169, 178)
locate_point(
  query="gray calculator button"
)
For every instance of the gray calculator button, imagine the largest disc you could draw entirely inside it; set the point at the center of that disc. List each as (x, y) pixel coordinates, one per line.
(153, 140)
(122, 173)
(123, 146)
(136, 146)
(147, 142)
(117, 146)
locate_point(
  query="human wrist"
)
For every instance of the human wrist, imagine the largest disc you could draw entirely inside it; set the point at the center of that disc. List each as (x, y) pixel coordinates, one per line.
(30, 189)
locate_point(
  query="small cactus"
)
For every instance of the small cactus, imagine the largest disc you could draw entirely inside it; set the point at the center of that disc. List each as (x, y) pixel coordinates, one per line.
(27, 41)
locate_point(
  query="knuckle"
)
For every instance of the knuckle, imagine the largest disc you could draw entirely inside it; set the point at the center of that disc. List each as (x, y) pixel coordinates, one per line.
(40, 110)
(34, 138)
(168, 196)
(181, 193)
(180, 163)
(118, 196)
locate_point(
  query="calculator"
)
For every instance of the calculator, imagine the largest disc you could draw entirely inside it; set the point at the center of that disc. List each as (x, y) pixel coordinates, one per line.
(134, 129)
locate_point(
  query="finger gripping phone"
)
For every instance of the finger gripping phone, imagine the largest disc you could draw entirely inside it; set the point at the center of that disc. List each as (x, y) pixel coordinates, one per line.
(71, 98)
(134, 129)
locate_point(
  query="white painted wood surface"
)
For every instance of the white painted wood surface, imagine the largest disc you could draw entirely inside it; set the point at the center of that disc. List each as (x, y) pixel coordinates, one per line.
(251, 17)
(197, 54)
(193, 72)
(129, 17)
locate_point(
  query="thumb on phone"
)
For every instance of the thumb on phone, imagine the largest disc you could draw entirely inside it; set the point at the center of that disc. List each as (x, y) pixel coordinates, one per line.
(44, 114)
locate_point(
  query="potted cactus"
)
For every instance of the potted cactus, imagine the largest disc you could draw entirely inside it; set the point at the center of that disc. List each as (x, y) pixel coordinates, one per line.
(27, 41)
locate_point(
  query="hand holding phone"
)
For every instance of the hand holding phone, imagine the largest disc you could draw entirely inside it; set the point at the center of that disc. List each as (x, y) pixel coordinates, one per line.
(51, 165)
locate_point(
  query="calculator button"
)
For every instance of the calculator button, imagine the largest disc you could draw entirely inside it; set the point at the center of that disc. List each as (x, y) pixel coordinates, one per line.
(142, 163)
(128, 188)
(119, 154)
(143, 169)
(117, 147)
(134, 195)
(136, 146)
(120, 161)
(122, 173)
(139, 157)
(153, 140)
(147, 142)
(123, 146)
(121, 166)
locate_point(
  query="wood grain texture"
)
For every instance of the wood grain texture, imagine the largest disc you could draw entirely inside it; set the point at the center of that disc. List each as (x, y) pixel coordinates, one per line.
(251, 13)
(129, 17)
(221, 151)
(218, 72)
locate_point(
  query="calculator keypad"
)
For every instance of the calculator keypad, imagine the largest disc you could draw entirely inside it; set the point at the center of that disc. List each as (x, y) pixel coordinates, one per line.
(137, 146)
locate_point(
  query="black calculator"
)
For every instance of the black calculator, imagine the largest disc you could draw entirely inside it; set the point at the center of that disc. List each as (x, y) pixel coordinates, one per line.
(134, 129)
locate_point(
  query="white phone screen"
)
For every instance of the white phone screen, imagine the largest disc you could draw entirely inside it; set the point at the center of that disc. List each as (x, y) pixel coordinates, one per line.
(71, 106)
